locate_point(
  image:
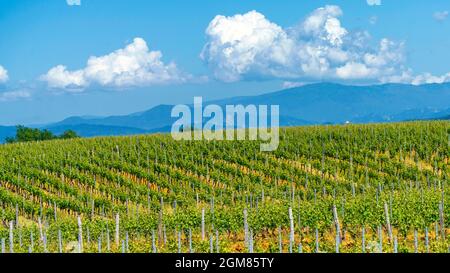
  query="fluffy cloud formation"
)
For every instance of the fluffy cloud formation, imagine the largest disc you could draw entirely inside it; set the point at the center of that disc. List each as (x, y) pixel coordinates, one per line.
(134, 65)
(428, 78)
(73, 2)
(374, 2)
(3, 75)
(440, 15)
(14, 95)
(287, 85)
(249, 46)
(409, 77)
(243, 43)
(59, 77)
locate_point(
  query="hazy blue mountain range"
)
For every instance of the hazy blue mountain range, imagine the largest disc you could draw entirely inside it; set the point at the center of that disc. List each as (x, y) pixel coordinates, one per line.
(90, 130)
(322, 103)
(7, 131)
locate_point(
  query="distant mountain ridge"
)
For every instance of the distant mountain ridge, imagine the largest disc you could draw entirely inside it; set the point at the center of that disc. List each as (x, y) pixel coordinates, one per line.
(156, 117)
(321, 103)
(7, 131)
(91, 130)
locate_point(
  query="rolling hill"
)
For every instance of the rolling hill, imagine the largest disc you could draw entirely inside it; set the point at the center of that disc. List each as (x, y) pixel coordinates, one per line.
(322, 103)
(317, 104)
(151, 193)
(90, 130)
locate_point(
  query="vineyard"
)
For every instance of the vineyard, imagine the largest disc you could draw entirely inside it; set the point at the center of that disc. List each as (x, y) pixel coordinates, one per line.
(354, 188)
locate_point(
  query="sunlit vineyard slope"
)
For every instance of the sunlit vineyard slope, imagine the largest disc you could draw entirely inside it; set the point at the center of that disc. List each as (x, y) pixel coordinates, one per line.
(355, 188)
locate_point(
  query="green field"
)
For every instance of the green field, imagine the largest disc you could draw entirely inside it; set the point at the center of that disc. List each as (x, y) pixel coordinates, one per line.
(326, 189)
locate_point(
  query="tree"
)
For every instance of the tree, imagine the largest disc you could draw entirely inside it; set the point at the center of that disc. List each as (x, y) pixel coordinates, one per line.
(69, 134)
(24, 134)
(46, 135)
(10, 140)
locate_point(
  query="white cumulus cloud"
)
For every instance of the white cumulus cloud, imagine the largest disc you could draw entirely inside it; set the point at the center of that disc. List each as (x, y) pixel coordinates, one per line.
(134, 65)
(73, 2)
(440, 15)
(428, 78)
(3, 75)
(14, 95)
(249, 46)
(60, 77)
(241, 44)
(374, 2)
(409, 77)
(324, 24)
(352, 70)
(287, 84)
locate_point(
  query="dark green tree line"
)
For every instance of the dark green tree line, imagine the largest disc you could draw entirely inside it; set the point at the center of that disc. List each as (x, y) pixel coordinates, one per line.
(25, 134)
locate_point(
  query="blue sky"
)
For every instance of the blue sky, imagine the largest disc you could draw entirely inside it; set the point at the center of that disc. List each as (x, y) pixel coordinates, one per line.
(169, 51)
